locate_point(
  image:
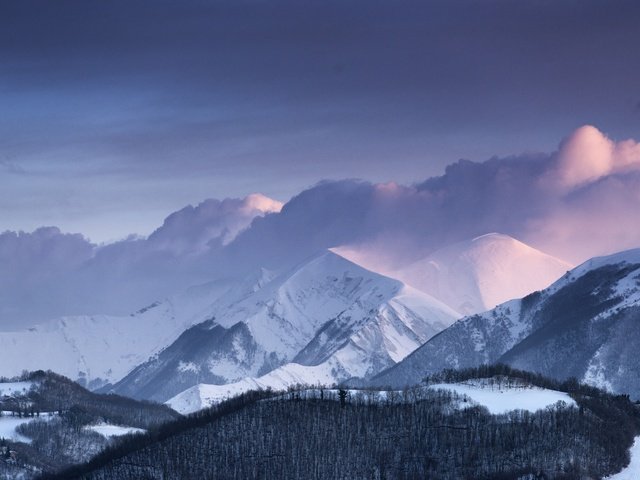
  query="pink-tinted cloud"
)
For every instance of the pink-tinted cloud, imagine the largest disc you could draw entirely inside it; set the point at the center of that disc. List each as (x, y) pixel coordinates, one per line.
(601, 217)
(588, 155)
(577, 202)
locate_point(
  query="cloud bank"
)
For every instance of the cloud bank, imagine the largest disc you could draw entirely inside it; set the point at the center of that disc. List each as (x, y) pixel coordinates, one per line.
(48, 273)
(579, 201)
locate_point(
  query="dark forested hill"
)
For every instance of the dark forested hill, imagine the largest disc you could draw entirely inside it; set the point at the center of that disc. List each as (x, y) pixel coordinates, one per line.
(422, 433)
(57, 422)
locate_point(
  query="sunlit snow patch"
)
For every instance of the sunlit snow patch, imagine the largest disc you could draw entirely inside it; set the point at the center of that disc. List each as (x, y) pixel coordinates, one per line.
(502, 398)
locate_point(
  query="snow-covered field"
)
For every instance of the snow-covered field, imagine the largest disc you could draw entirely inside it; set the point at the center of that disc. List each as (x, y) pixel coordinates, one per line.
(632, 472)
(11, 388)
(108, 430)
(8, 427)
(500, 399)
(9, 423)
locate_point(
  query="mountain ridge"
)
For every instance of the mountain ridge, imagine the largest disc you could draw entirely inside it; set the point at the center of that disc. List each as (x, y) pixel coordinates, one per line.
(565, 330)
(327, 312)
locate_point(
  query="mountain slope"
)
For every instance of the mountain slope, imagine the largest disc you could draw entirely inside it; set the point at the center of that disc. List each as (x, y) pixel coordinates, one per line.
(476, 275)
(328, 313)
(585, 325)
(100, 349)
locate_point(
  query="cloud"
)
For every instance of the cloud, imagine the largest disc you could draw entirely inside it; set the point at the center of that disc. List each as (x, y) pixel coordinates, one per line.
(193, 229)
(45, 250)
(48, 273)
(580, 201)
(33, 266)
(599, 218)
(588, 155)
(577, 202)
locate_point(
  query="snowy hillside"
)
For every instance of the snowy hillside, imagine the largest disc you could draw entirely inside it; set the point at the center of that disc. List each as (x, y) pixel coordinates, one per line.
(476, 275)
(584, 325)
(100, 349)
(331, 317)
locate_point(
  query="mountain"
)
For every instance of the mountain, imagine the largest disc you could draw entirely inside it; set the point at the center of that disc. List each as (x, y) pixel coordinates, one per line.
(328, 314)
(101, 349)
(585, 325)
(476, 275)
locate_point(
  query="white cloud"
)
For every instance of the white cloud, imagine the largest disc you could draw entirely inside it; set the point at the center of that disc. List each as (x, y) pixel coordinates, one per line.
(588, 155)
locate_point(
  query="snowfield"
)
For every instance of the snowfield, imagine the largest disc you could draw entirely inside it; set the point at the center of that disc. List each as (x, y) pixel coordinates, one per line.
(499, 399)
(9, 423)
(108, 430)
(8, 427)
(632, 471)
(12, 388)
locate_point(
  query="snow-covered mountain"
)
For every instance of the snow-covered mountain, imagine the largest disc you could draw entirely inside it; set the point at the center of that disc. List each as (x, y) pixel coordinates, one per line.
(585, 326)
(326, 320)
(476, 275)
(100, 349)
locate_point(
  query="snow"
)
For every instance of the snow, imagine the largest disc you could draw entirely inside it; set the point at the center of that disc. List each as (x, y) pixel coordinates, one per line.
(188, 367)
(476, 275)
(106, 348)
(108, 430)
(331, 317)
(387, 333)
(282, 312)
(498, 399)
(595, 374)
(12, 388)
(9, 423)
(287, 313)
(627, 284)
(502, 399)
(204, 395)
(632, 471)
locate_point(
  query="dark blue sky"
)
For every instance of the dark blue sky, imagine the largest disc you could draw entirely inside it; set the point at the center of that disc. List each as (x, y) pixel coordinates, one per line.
(114, 114)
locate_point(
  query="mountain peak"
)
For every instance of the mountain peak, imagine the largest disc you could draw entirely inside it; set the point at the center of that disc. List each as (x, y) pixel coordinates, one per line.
(477, 274)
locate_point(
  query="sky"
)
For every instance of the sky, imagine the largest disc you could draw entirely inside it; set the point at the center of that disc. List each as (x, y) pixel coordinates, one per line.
(115, 114)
